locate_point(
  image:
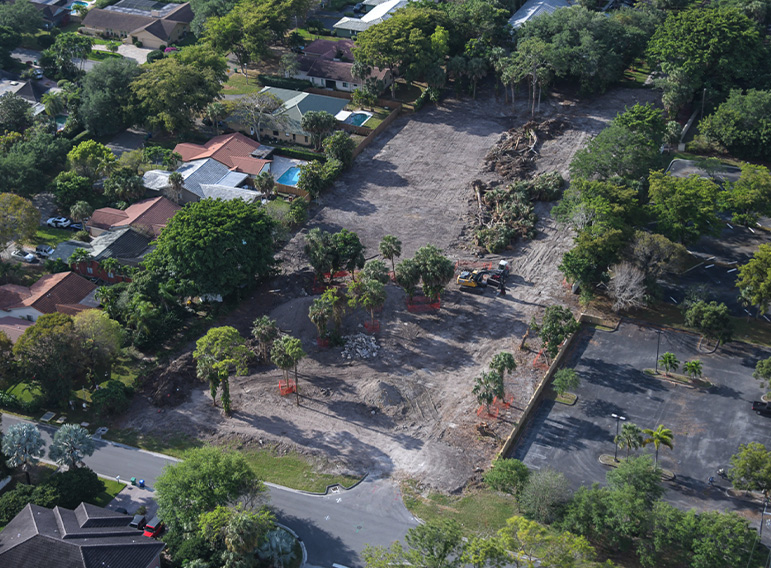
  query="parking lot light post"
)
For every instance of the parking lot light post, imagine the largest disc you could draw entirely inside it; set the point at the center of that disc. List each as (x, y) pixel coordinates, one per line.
(618, 420)
(658, 345)
(763, 517)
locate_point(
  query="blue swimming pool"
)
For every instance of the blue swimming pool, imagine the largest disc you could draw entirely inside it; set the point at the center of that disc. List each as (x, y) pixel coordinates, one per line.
(76, 4)
(290, 177)
(358, 118)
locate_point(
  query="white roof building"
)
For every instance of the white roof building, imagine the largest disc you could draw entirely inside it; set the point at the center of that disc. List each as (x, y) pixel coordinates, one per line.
(534, 8)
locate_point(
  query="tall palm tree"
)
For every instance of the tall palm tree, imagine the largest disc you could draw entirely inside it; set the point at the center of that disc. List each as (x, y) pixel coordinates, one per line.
(630, 437)
(659, 437)
(669, 362)
(174, 191)
(693, 368)
(54, 103)
(390, 247)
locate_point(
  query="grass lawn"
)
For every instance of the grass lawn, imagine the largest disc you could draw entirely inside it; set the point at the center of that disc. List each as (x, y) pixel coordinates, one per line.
(292, 470)
(309, 37)
(23, 392)
(236, 85)
(102, 55)
(111, 489)
(173, 446)
(636, 74)
(46, 235)
(478, 510)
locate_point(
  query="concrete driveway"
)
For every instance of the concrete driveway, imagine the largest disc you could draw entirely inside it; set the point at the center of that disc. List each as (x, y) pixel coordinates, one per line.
(708, 426)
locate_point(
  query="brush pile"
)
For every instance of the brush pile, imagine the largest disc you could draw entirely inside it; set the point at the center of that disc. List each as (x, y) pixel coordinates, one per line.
(514, 156)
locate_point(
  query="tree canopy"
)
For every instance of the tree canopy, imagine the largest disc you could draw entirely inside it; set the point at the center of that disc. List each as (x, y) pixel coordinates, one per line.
(742, 124)
(754, 281)
(107, 104)
(19, 219)
(215, 247)
(684, 208)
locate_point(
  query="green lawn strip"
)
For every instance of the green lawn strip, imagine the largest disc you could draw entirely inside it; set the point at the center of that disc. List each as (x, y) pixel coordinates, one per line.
(678, 378)
(111, 489)
(174, 446)
(478, 510)
(309, 37)
(237, 85)
(567, 398)
(49, 236)
(292, 470)
(23, 392)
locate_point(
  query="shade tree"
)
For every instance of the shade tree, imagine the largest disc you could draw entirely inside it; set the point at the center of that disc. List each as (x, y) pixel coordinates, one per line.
(749, 197)
(684, 208)
(507, 475)
(754, 281)
(260, 110)
(217, 354)
(557, 324)
(19, 219)
(565, 380)
(435, 269)
(711, 319)
(751, 468)
(285, 354)
(107, 104)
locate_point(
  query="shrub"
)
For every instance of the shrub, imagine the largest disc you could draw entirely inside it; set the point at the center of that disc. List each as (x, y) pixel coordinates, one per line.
(114, 398)
(54, 267)
(13, 501)
(283, 82)
(75, 486)
(507, 475)
(154, 55)
(82, 236)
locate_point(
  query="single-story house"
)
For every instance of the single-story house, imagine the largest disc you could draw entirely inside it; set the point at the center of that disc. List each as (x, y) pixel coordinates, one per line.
(236, 151)
(152, 23)
(55, 12)
(534, 8)
(87, 537)
(30, 91)
(205, 178)
(350, 27)
(148, 216)
(64, 292)
(329, 64)
(14, 328)
(128, 246)
(369, 5)
(296, 104)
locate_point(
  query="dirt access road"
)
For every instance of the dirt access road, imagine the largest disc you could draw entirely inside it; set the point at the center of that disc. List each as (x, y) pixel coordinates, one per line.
(408, 411)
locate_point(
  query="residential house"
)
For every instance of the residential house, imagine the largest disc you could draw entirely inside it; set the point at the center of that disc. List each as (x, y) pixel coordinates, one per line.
(55, 12)
(14, 328)
(202, 179)
(329, 64)
(534, 8)
(128, 246)
(350, 27)
(29, 90)
(64, 292)
(236, 151)
(148, 216)
(296, 105)
(152, 23)
(87, 537)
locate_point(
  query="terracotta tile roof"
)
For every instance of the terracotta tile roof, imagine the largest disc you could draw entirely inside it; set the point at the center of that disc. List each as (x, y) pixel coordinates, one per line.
(47, 294)
(329, 49)
(14, 327)
(221, 148)
(248, 165)
(152, 214)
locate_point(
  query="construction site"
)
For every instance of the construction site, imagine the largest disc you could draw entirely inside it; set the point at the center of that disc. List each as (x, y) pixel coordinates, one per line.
(396, 399)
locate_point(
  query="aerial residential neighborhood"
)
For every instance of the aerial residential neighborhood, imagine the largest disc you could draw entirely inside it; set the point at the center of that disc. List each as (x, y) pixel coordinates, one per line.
(341, 284)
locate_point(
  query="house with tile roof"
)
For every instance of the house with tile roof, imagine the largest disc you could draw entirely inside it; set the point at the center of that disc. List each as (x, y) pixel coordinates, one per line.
(329, 64)
(152, 23)
(231, 150)
(13, 327)
(296, 105)
(128, 246)
(149, 216)
(64, 292)
(88, 537)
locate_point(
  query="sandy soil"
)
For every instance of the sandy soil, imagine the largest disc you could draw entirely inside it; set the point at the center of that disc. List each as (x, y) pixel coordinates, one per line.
(410, 410)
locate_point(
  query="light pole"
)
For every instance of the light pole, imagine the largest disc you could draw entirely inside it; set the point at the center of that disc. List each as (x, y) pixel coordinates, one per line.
(618, 420)
(763, 517)
(658, 345)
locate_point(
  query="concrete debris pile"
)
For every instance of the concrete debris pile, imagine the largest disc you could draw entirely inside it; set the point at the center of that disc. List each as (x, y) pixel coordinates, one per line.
(360, 346)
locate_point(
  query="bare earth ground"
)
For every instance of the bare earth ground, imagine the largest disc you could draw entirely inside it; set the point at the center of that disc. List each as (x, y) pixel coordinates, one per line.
(410, 410)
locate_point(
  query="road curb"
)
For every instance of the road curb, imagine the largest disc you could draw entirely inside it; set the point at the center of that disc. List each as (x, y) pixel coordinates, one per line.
(302, 544)
(326, 491)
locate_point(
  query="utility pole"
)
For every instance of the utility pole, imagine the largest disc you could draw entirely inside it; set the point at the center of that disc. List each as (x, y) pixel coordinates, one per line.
(658, 345)
(763, 518)
(618, 420)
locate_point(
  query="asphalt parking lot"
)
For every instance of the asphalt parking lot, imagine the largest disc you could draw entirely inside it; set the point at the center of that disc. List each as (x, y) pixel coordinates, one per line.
(708, 425)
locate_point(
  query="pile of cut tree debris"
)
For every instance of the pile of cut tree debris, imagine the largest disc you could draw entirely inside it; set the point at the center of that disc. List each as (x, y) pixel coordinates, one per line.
(514, 156)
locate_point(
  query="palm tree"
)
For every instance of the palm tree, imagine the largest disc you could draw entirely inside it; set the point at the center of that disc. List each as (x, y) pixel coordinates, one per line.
(390, 247)
(81, 211)
(78, 256)
(669, 362)
(659, 437)
(215, 112)
(174, 191)
(265, 331)
(693, 368)
(630, 437)
(54, 103)
(476, 69)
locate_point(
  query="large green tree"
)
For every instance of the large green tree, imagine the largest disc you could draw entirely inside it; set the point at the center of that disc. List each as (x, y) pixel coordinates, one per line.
(742, 124)
(711, 319)
(101, 339)
(22, 17)
(754, 281)
(19, 219)
(208, 477)
(107, 104)
(750, 196)
(71, 445)
(50, 357)
(435, 269)
(218, 353)
(616, 151)
(91, 159)
(684, 208)
(751, 468)
(215, 247)
(557, 324)
(319, 124)
(59, 59)
(15, 113)
(171, 94)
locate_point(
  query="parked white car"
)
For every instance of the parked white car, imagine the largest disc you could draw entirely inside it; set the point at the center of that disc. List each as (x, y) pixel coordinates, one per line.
(23, 256)
(59, 222)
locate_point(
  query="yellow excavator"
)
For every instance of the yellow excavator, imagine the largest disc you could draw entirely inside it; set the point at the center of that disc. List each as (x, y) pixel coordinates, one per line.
(481, 279)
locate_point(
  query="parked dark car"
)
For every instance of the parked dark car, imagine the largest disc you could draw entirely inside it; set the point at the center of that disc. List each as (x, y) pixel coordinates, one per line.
(138, 522)
(154, 528)
(761, 407)
(75, 227)
(358, 8)
(121, 510)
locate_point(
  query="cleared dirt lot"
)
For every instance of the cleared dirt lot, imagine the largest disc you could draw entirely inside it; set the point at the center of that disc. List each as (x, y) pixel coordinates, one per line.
(409, 411)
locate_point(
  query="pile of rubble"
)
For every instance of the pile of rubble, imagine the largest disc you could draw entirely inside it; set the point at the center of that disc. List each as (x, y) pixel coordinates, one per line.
(360, 346)
(514, 156)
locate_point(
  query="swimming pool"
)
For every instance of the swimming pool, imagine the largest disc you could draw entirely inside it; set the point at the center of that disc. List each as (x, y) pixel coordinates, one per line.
(76, 4)
(358, 118)
(290, 177)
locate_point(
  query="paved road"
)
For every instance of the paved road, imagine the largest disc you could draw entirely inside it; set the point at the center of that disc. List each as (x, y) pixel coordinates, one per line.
(25, 55)
(334, 527)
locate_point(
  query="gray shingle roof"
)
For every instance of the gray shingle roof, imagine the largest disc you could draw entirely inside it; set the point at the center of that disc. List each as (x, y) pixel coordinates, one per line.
(197, 172)
(89, 537)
